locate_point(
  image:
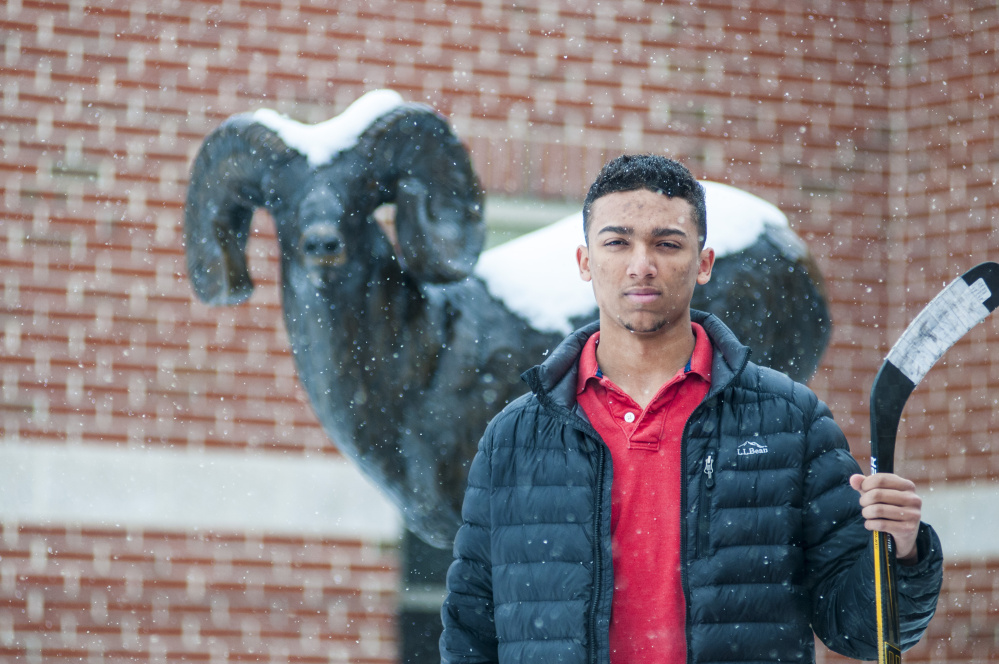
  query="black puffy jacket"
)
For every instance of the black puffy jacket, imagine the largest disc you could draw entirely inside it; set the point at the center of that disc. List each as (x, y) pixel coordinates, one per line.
(773, 542)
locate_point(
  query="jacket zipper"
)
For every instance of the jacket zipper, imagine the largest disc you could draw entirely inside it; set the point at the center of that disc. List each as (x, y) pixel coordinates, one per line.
(598, 556)
(597, 552)
(684, 583)
(704, 504)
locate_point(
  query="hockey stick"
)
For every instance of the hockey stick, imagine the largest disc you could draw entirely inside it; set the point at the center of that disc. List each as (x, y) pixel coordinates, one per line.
(949, 316)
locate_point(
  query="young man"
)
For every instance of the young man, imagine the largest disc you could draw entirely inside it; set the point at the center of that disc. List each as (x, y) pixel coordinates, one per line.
(657, 497)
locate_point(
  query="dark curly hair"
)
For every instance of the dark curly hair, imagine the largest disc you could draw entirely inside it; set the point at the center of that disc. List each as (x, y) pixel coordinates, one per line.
(655, 173)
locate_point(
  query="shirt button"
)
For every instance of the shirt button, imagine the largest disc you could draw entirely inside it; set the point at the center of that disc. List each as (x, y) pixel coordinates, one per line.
(629, 417)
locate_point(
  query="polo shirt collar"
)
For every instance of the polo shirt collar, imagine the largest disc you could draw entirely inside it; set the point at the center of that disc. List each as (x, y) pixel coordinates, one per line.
(699, 362)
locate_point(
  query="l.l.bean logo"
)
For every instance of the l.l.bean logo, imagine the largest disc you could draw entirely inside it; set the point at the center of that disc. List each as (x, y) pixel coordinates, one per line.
(750, 448)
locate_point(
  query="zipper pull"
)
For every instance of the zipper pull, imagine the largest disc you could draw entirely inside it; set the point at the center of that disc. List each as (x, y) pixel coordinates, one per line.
(709, 469)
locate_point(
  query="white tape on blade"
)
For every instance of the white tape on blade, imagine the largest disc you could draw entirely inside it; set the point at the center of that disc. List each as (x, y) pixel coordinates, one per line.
(950, 315)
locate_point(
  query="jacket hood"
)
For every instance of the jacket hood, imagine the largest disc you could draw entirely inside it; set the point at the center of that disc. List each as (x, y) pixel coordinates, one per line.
(555, 378)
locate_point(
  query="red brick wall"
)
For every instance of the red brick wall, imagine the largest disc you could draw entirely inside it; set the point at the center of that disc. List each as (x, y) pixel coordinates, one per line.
(946, 219)
(872, 124)
(114, 596)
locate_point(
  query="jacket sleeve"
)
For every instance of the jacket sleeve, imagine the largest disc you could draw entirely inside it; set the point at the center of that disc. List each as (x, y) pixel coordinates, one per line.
(839, 553)
(469, 634)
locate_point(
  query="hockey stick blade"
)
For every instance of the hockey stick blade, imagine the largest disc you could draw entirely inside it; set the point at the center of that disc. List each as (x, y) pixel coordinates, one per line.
(949, 316)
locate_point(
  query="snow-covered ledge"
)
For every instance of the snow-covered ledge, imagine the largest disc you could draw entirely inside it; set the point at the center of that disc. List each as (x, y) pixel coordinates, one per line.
(276, 493)
(963, 514)
(260, 492)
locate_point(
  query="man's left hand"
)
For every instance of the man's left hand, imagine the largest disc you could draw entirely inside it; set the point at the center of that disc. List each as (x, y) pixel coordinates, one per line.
(889, 504)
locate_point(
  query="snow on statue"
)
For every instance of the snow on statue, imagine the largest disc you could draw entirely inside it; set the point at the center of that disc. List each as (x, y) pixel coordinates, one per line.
(408, 346)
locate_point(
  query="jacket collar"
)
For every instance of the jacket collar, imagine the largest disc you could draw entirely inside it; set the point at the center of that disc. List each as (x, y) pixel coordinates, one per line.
(554, 380)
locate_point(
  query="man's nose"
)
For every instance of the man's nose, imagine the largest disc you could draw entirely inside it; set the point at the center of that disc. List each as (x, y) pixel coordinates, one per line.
(641, 263)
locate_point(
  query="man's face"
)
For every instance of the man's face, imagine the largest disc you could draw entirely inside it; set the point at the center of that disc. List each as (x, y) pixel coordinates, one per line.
(643, 259)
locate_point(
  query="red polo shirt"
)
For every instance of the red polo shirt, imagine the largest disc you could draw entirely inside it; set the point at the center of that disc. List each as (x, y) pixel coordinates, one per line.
(649, 615)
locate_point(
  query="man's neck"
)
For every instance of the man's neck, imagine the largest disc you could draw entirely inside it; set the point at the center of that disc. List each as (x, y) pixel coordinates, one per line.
(640, 364)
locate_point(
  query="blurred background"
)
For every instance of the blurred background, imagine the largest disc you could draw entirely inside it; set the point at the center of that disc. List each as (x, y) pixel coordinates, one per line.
(166, 493)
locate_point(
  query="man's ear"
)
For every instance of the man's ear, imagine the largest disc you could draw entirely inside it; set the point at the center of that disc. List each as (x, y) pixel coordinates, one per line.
(583, 261)
(706, 264)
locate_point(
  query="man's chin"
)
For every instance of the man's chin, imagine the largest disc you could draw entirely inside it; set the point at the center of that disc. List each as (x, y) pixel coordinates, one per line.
(645, 327)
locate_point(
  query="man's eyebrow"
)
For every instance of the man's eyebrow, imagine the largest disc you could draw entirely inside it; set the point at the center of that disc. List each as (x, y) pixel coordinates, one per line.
(668, 232)
(656, 232)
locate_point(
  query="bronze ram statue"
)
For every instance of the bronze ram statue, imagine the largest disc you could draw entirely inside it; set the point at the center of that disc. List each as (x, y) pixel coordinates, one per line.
(404, 351)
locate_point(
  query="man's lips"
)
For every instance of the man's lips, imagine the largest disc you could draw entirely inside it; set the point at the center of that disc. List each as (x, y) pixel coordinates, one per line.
(642, 295)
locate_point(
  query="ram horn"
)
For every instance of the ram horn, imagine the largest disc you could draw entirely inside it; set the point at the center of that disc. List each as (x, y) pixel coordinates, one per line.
(229, 179)
(420, 165)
